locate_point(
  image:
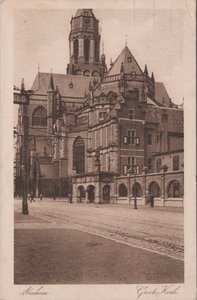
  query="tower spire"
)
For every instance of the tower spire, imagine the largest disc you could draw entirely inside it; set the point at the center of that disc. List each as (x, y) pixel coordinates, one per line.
(22, 85)
(146, 70)
(51, 84)
(153, 77)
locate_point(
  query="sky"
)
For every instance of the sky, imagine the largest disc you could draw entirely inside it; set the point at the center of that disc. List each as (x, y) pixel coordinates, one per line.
(154, 36)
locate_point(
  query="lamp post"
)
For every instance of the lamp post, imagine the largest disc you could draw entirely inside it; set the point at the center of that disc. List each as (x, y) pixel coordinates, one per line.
(132, 171)
(145, 169)
(129, 172)
(164, 169)
(24, 167)
(98, 169)
(135, 196)
(21, 97)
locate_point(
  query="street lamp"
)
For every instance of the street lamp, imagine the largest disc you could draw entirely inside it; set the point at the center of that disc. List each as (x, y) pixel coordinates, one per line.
(97, 164)
(164, 169)
(132, 171)
(145, 170)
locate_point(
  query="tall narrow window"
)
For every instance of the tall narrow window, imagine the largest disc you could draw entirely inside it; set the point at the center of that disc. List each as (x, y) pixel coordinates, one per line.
(158, 165)
(131, 136)
(79, 155)
(176, 163)
(96, 51)
(76, 49)
(39, 117)
(131, 114)
(149, 165)
(87, 49)
(149, 139)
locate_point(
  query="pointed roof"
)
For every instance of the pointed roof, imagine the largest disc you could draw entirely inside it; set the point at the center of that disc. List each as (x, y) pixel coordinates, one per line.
(84, 12)
(161, 94)
(80, 84)
(22, 85)
(51, 84)
(129, 63)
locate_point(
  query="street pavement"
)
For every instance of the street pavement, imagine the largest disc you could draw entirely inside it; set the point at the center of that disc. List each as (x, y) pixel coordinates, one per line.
(155, 230)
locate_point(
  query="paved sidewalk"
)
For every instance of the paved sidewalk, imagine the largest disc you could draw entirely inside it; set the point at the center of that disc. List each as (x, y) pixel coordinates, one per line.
(141, 207)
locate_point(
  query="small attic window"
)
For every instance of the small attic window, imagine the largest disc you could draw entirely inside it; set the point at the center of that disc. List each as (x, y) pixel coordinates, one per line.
(85, 13)
(70, 85)
(129, 59)
(133, 74)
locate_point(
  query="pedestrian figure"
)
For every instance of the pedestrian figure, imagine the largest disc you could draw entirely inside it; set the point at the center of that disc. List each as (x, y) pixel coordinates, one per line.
(151, 200)
(28, 197)
(70, 198)
(40, 197)
(147, 198)
(32, 198)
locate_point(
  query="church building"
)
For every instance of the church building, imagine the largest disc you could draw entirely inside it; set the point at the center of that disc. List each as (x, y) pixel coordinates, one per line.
(103, 135)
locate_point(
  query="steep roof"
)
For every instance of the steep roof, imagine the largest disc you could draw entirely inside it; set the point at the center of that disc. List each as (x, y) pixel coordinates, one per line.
(129, 63)
(84, 12)
(69, 86)
(161, 94)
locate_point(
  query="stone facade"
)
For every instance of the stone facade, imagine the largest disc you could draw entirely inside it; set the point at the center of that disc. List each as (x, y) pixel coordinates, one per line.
(93, 133)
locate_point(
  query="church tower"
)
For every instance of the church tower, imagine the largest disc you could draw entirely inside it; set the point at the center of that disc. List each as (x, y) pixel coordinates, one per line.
(84, 43)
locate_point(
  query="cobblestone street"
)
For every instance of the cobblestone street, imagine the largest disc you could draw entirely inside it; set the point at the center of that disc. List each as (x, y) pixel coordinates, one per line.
(156, 230)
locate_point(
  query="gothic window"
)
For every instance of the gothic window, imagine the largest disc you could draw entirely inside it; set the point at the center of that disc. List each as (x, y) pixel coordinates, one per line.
(158, 165)
(79, 155)
(102, 115)
(122, 190)
(76, 49)
(86, 49)
(176, 163)
(39, 117)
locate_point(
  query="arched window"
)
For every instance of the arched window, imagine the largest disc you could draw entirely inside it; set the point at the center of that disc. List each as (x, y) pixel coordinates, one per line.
(86, 49)
(78, 72)
(79, 155)
(174, 189)
(158, 165)
(154, 189)
(137, 190)
(76, 49)
(39, 117)
(95, 74)
(86, 73)
(176, 163)
(122, 190)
